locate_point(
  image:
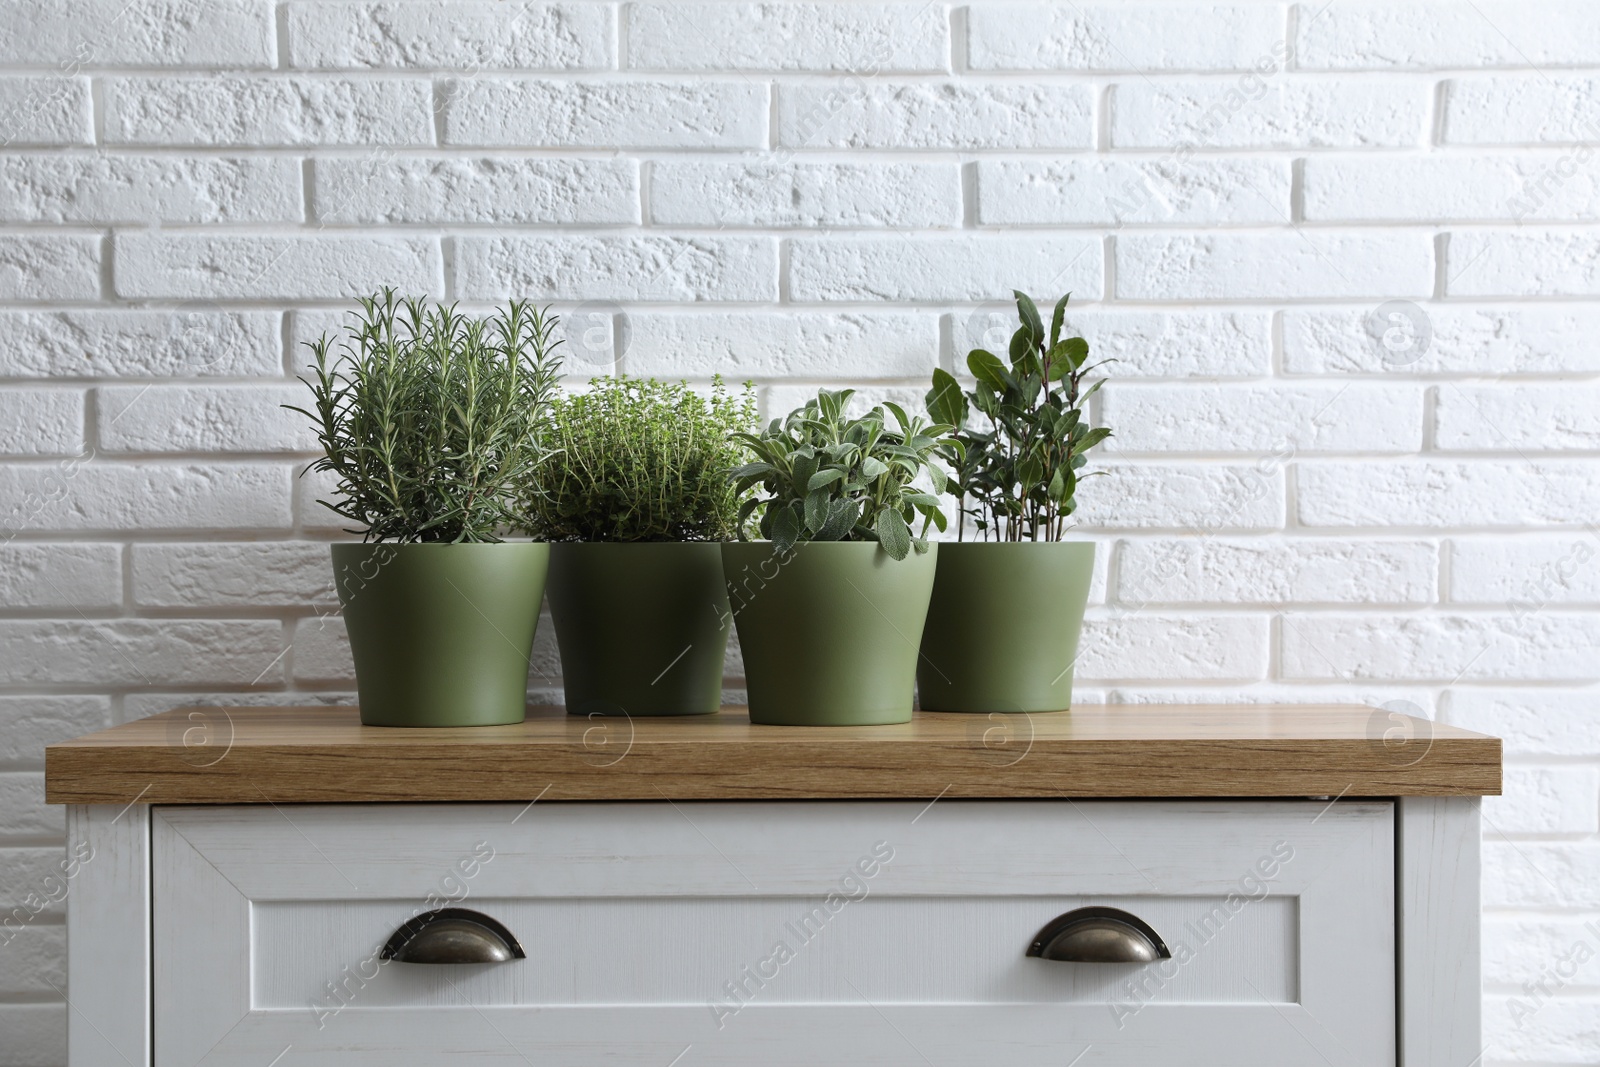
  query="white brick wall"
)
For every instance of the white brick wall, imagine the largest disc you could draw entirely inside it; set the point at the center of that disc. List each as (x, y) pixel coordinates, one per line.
(1344, 254)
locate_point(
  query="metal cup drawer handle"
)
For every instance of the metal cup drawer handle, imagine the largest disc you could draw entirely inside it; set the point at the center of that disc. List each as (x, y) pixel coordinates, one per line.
(1099, 935)
(452, 935)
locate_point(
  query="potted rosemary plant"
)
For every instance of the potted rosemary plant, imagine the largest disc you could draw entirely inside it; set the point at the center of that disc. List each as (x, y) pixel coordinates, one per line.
(430, 423)
(635, 498)
(830, 607)
(1007, 607)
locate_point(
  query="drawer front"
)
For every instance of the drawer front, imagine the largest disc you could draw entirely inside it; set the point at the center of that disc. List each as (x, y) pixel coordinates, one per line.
(785, 933)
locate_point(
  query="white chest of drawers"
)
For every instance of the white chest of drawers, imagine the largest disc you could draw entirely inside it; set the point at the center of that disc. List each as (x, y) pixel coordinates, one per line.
(773, 901)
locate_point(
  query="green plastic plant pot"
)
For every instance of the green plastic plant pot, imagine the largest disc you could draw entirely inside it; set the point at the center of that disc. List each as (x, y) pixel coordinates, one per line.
(642, 626)
(1003, 626)
(441, 634)
(830, 632)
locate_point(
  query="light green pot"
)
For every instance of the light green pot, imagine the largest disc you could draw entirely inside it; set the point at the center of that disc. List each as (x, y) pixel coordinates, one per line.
(1003, 626)
(830, 632)
(441, 634)
(642, 627)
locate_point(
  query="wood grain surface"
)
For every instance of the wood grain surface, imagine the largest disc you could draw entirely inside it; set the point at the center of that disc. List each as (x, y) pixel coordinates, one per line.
(324, 755)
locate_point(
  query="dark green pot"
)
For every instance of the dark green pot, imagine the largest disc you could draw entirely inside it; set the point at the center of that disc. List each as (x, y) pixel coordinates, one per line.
(829, 633)
(441, 634)
(642, 627)
(1003, 626)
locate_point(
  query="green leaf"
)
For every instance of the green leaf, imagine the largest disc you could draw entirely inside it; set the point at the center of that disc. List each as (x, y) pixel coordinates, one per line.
(822, 478)
(893, 534)
(842, 515)
(945, 401)
(873, 468)
(1021, 346)
(899, 414)
(1057, 318)
(986, 367)
(816, 510)
(1092, 438)
(1077, 350)
(1030, 316)
(785, 528)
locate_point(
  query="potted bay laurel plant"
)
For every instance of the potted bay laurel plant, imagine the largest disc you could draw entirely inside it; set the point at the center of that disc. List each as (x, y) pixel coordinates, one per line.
(635, 499)
(830, 606)
(430, 422)
(1007, 608)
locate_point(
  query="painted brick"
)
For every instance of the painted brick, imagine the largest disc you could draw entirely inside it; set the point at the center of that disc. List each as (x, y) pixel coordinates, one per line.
(48, 110)
(1541, 186)
(85, 494)
(1523, 263)
(41, 422)
(1269, 111)
(309, 487)
(955, 115)
(1172, 647)
(1145, 344)
(143, 189)
(1441, 494)
(908, 195)
(1529, 418)
(1468, 341)
(905, 268)
(475, 35)
(617, 268)
(1533, 722)
(1304, 571)
(203, 418)
(1274, 266)
(188, 341)
(1195, 498)
(142, 705)
(1196, 417)
(1395, 36)
(859, 38)
(1526, 573)
(779, 400)
(30, 889)
(1533, 108)
(1546, 800)
(766, 344)
(28, 723)
(506, 190)
(1533, 874)
(601, 114)
(1077, 37)
(86, 576)
(1443, 648)
(36, 1034)
(322, 651)
(240, 575)
(1524, 950)
(1119, 192)
(22, 792)
(36, 961)
(290, 267)
(44, 268)
(153, 652)
(242, 110)
(117, 33)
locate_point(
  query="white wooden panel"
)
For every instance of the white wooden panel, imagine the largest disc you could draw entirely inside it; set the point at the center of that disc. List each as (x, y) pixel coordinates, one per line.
(930, 951)
(681, 951)
(108, 936)
(1441, 993)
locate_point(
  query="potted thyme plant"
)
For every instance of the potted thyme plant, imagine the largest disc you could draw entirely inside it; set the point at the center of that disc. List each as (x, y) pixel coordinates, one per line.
(430, 422)
(1007, 607)
(830, 606)
(635, 498)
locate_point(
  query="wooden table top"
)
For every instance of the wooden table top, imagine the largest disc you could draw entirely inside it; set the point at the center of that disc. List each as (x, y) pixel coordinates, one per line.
(324, 755)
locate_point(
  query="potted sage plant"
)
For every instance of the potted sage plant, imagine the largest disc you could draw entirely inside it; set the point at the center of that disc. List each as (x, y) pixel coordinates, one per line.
(430, 422)
(1007, 608)
(635, 499)
(830, 606)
